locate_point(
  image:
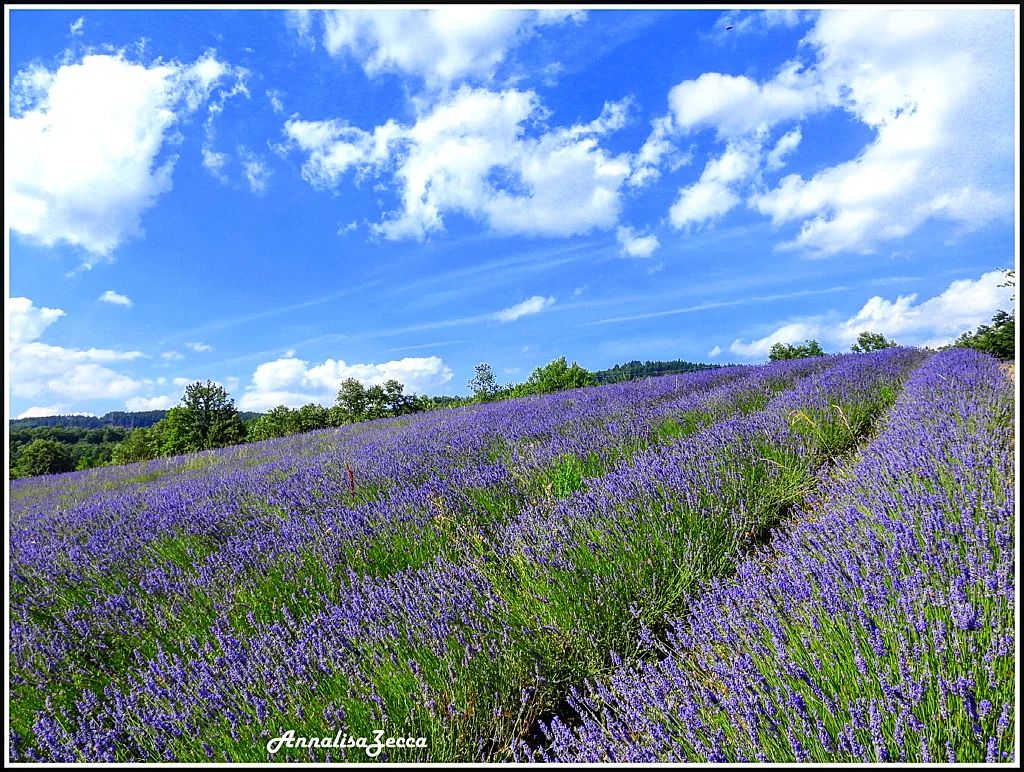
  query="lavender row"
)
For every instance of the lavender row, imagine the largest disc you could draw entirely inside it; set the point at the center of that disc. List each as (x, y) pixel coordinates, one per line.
(879, 629)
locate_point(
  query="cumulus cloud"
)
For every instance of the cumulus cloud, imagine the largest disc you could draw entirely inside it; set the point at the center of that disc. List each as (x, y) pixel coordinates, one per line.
(659, 149)
(293, 382)
(532, 305)
(117, 299)
(86, 144)
(39, 370)
(714, 352)
(151, 403)
(934, 86)
(27, 322)
(633, 244)
(171, 356)
(440, 45)
(793, 332)
(716, 192)
(200, 347)
(962, 306)
(735, 105)
(77, 26)
(471, 154)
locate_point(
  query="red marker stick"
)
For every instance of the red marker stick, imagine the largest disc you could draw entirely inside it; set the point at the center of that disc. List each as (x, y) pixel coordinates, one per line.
(351, 480)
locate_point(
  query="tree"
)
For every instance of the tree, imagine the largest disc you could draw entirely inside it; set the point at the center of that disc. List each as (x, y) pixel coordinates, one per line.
(781, 351)
(376, 403)
(310, 417)
(44, 457)
(206, 419)
(997, 339)
(398, 402)
(140, 445)
(558, 375)
(483, 384)
(276, 422)
(351, 403)
(871, 341)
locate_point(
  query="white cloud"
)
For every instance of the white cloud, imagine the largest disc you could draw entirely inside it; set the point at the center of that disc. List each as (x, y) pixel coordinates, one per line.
(633, 244)
(215, 163)
(291, 381)
(151, 403)
(532, 305)
(787, 143)
(935, 86)
(257, 175)
(715, 193)
(113, 297)
(77, 26)
(794, 332)
(85, 144)
(274, 96)
(714, 352)
(735, 105)
(440, 45)
(40, 412)
(200, 347)
(658, 149)
(962, 306)
(470, 154)
(171, 356)
(26, 322)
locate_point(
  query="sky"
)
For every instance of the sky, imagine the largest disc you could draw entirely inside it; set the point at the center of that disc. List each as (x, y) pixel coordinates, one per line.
(278, 200)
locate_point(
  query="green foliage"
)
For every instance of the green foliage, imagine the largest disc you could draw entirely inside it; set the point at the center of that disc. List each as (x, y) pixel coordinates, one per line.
(88, 447)
(278, 422)
(44, 457)
(206, 419)
(139, 445)
(781, 351)
(357, 403)
(483, 384)
(558, 375)
(209, 419)
(631, 371)
(997, 339)
(871, 341)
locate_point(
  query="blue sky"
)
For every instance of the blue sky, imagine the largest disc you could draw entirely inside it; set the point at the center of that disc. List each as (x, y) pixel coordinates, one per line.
(279, 200)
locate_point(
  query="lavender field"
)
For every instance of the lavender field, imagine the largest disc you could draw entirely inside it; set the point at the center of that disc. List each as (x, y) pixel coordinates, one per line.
(807, 560)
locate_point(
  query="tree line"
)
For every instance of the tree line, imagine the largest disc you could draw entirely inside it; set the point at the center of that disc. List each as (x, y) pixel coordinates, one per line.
(207, 418)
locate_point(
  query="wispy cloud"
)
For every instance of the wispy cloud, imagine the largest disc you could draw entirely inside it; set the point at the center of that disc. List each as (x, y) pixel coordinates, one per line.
(421, 346)
(718, 304)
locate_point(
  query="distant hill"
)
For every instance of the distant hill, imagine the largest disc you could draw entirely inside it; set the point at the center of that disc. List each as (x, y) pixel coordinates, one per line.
(636, 369)
(119, 418)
